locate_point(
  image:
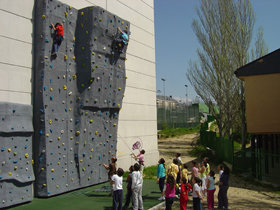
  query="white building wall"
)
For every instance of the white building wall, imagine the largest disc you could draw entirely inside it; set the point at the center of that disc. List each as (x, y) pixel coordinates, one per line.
(137, 121)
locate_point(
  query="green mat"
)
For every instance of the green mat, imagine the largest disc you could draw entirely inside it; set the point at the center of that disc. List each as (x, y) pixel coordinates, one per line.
(90, 198)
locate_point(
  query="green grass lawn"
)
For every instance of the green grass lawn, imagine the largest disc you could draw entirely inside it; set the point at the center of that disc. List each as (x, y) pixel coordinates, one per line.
(87, 199)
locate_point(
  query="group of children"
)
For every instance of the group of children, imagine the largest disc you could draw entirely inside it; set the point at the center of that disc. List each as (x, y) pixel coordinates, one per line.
(134, 183)
(200, 183)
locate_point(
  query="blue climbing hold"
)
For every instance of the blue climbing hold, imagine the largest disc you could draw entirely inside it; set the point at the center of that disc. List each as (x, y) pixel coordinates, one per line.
(15, 161)
(3, 149)
(41, 132)
(51, 98)
(42, 110)
(51, 65)
(3, 118)
(99, 157)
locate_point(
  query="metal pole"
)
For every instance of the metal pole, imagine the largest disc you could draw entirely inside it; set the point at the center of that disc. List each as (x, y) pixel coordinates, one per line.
(187, 103)
(163, 80)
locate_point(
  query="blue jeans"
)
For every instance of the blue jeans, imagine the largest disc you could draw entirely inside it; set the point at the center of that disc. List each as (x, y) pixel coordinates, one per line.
(117, 199)
(57, 42)
(196, 204)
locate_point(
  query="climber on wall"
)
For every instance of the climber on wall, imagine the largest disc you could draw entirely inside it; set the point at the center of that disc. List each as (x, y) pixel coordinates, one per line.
(122, 40)
(58, 37)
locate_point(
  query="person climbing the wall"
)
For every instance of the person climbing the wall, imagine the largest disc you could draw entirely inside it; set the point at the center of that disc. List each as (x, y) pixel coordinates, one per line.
(122, 40)
(112, 167)
(58, 37)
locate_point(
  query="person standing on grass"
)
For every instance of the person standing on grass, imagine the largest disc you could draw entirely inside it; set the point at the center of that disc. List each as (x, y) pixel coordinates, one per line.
(169, 192)
(136, 187)
(194, 172)
(203, 175)
(178, 157)
(117, 181)
(128, 187)
(223, 188)
(185, 188)
(161, 177)
(140, 159)
(196, 193)
(210, 190)
(184, 172)
(173, 169)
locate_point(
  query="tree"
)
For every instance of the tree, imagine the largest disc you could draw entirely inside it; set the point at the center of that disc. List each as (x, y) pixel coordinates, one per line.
(224, 30)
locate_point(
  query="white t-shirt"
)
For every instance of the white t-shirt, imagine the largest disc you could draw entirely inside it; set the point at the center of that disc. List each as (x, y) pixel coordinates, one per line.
(220, 173)
(118, 182)
(196, 188)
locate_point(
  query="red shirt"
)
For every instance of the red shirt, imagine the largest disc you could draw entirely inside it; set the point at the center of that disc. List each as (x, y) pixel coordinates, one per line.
(184, 191)
(59, 30)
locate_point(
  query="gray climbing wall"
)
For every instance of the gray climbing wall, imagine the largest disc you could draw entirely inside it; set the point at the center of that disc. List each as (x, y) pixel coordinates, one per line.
(77, 96)
(16, 171)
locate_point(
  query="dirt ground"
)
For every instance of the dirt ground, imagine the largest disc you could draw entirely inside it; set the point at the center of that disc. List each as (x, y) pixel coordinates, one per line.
(241, 194)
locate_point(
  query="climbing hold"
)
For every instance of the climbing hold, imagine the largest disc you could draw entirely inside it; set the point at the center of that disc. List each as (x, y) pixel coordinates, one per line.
(58, 138)
(52, 170)
(82, 13)
(64, 87)
(46, 57)
(74, 76)
(96, 132)
(119, 88)
(100, 19)
(10, 173)
(74, 39)
(77, 133)
(15, 168)
(26, 155)
(83, 48)
(95, 38)
(51, 89)
(66, 14)
(43, 16)
(122, 22)
(9, 150)
(86, 32)
(93, 53)
(47, 135)
(65, 57)
(126, 77)
(82, 25)
(91, 121)
(50, 122)
(119, 66)
(73, 57)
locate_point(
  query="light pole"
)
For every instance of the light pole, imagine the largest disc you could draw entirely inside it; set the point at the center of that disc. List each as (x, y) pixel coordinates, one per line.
(163, 80)
(187, 102)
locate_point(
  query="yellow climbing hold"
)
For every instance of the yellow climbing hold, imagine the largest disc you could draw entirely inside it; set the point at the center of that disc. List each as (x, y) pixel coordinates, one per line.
(63, 144)
(78, 98)
(62, 119)
(44, 185)
(46, 57)
(100, 19)
(81, 161)
(76, 142)
(119, 88)
(15, 153)
(119, 105)
(93, 53)
(78, 133)
(122, 22)
(50, 122)
(86, 32)
(70, 109)
(15, 168)
(58, 163)
(119, 66)
(42, 169)
(96, 132)
(58, 138)
(10, 173)
(126, 27)
(43, 16)
(71, 138)
(82, 13)
(73, 57)
(9, 150)
(82, 25)
(126, 77)
(74, 39)
(52, 170)
(114, 124)
(89, 178)
(70, 7)
(91, 121)
(57, 186)
(91, 149)
(66, 14)
(51, 89)
(83, 169)
(64, 87)
(65, 57)
(87, 100)
(90, 157)
(74, 76)
(83, 48)
(47, 135)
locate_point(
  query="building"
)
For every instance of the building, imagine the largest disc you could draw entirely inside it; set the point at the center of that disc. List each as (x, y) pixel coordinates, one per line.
(137, 119)
(262, 96)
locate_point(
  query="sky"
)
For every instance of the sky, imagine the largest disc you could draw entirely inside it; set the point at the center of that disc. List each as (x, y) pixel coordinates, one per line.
(176, 42)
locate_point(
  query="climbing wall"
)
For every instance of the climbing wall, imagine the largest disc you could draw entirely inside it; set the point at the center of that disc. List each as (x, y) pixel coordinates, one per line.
(16, 171)
(77, 96)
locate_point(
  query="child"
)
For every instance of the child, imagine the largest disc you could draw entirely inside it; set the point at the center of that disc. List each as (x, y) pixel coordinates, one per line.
(173, 169)
(122, 40)
(117, 181)
(169, 192)
(178, 157)
(136, 187)
(194, 169)
(210, 190)
(196, 193)
(184, 172)
(185, 188)
(223, 188)
(58, 37)
(111, 167)
(203, 176)
(128, 187)
(140, 159)
(161, 177)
